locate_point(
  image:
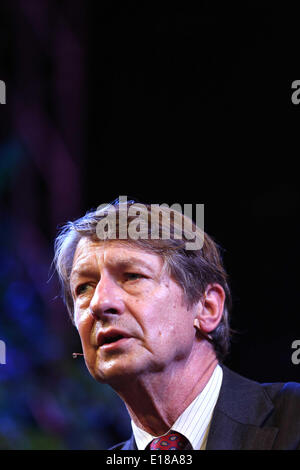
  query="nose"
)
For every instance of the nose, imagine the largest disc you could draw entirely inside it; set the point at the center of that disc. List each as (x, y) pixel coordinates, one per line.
(106, 299)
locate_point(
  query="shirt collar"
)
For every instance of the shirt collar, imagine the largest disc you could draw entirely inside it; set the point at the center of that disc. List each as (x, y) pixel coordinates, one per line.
(194, 422)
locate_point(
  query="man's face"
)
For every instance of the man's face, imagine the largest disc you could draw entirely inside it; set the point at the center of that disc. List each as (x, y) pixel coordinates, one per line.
(131, 316)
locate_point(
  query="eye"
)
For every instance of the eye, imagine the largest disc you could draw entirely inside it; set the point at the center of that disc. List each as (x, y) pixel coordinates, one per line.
(133, 276)
(81, 289)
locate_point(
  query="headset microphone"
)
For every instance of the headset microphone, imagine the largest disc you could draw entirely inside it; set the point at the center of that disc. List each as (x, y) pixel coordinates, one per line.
(74, 355)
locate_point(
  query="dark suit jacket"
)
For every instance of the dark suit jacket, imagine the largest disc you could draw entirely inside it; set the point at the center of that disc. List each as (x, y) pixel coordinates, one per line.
(249, 415)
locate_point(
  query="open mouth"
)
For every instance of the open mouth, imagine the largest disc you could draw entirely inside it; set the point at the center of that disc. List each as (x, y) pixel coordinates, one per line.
(111, 338)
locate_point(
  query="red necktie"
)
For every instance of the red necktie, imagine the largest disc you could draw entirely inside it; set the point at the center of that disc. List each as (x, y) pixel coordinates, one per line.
(170, 441)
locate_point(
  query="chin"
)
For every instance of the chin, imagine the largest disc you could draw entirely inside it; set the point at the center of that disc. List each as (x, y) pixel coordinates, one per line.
(116, 372)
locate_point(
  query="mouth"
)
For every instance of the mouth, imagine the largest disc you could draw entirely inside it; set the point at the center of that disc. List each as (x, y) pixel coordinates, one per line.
(111, 339)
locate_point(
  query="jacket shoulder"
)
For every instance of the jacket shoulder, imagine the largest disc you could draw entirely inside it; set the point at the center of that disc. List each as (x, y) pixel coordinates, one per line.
(118, 446)
(126, 445)
(268, 407)
(283, 395)
(286, 415)
(240, 395)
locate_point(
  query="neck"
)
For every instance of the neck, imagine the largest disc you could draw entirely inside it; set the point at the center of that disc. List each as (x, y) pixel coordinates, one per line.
(155, 401)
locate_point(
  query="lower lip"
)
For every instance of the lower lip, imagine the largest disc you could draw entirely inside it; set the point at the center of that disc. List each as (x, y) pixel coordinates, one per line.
(115, 344)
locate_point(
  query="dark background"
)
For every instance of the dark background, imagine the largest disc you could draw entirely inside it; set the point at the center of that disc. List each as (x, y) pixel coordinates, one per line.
(163, 104)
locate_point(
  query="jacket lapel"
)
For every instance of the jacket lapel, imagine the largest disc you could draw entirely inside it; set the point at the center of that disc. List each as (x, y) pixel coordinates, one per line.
(238, 419)
(228, 434)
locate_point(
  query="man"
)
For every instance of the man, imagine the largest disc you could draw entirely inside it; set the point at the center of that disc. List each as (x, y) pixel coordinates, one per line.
(152, 316)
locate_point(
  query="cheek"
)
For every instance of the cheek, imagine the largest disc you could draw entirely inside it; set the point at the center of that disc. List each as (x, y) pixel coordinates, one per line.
(176, 322)
(83, 322)
(159, 319)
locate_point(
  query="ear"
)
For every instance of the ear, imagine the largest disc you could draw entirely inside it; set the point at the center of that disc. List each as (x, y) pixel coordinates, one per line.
(210, 310)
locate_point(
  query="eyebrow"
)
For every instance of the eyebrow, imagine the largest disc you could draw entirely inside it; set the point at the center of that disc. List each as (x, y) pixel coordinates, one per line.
(114, 263)
(81, 271)
(129, 262)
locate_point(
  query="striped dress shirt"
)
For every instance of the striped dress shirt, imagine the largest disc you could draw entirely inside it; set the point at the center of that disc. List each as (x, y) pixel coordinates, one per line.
(195, 421)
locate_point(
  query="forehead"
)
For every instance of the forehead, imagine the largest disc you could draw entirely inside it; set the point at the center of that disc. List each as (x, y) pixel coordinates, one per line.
(96, 253)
